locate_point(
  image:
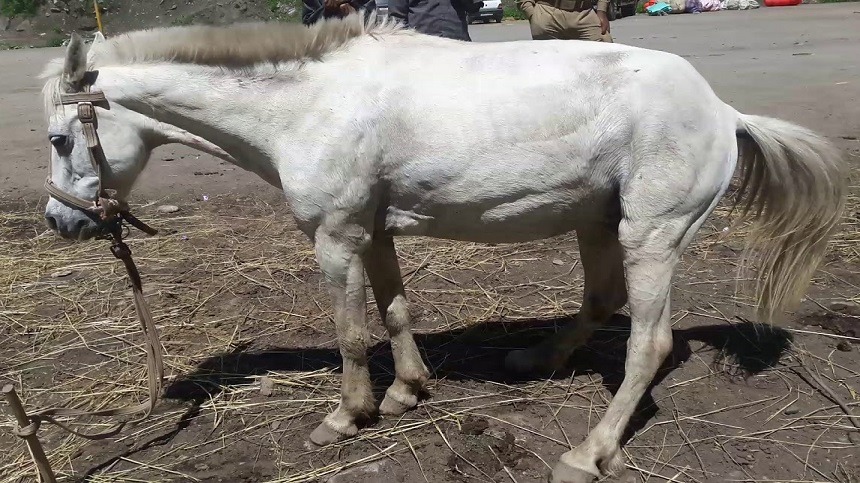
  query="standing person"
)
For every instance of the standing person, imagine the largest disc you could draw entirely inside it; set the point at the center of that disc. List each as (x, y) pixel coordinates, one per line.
(313, 10)
(443, 18)
(567, 19)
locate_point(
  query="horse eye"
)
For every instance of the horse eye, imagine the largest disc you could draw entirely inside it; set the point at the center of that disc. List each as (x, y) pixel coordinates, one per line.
(58, 140)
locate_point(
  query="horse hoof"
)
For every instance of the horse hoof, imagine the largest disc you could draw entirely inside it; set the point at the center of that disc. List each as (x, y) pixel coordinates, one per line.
(325, 435)
(564, 473)
(393, 407)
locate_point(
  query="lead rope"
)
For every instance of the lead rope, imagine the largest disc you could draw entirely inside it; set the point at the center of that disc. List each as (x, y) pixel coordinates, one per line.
(28, 425)
(113, 212)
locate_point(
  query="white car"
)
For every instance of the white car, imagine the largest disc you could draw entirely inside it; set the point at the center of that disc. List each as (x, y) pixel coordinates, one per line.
(492, 9)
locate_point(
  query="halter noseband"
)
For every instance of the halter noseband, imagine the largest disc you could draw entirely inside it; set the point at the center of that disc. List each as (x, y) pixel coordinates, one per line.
(106, 205)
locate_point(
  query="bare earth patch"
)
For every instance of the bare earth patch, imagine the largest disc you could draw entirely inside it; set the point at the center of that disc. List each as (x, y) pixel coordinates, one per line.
(250, 347)
(253, 366)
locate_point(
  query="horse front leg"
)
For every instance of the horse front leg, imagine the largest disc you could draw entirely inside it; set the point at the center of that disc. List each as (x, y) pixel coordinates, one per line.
(339, 251)
(411, 374)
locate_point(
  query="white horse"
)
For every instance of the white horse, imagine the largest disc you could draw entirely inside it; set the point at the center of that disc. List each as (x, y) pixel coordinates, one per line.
(373, 131)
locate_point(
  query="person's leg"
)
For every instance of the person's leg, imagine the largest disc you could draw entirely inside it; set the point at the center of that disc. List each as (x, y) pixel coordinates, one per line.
(585, 25)
(607, 37)
(543, 21)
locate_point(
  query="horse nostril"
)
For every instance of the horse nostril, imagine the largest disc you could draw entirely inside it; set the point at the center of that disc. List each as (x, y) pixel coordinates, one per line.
(79, 227)
(51, 222)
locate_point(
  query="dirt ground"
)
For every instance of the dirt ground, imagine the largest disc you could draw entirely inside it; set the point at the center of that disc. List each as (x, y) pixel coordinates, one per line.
(56, 19)
(250, 349)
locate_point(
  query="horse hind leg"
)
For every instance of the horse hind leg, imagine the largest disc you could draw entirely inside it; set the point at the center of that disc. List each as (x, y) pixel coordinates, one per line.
(411, 374)
(652, 248)
(605, 293)
(649, 274)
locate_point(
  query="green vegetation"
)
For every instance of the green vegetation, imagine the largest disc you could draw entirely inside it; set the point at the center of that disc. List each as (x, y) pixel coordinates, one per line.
(286, 10)
(9, 46)
(183, 20)
(105, 5)
(55, 42)
(514, 13)
(12, 8)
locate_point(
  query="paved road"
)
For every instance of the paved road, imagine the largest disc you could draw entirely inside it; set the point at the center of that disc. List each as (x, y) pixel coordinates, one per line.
(780, 61)
(799, 63)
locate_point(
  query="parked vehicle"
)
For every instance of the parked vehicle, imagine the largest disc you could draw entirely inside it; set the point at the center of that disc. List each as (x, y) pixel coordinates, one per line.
(620, 8)
(492, 10)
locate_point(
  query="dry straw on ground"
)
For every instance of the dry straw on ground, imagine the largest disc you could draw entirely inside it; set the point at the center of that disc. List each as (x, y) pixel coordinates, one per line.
(227, 282)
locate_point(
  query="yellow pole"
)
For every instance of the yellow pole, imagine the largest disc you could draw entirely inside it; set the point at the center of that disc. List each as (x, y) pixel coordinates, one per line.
(98, 15)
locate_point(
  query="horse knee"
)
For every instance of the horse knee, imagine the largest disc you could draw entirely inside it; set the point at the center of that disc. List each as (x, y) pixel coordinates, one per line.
(352, 343)
(397, 316)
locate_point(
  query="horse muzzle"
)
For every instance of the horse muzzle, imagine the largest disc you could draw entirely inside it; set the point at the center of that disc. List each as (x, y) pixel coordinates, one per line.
(73, 223)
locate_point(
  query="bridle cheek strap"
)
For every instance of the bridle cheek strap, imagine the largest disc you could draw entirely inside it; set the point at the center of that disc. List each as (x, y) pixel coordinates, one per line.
(108, 208)
(106, 205)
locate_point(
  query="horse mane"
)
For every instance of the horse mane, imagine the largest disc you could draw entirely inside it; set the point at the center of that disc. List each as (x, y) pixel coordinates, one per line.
(240, 45)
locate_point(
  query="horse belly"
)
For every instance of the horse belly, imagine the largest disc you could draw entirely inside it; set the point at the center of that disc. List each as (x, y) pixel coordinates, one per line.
(525, 218)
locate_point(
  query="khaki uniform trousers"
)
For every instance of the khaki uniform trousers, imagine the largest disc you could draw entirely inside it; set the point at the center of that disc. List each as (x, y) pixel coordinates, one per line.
(554, 23)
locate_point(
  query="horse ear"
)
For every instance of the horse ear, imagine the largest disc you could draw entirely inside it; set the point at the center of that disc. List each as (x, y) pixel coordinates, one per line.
(75, 66)
(98, 38)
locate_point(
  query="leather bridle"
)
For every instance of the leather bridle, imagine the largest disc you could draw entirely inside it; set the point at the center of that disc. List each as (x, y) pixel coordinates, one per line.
(106, 206)
(112, 212)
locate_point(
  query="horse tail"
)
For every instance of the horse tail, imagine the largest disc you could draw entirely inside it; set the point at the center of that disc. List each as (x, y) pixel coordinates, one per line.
(794, 184)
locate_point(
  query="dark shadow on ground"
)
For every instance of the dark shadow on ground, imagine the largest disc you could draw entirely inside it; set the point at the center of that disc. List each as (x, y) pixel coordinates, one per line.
(477, 354)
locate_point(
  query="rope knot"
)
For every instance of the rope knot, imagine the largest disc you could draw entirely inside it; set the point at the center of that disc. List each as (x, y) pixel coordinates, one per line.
(28, 430)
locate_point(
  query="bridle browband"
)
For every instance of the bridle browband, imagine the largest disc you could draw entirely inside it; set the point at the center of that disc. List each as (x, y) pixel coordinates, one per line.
(106, 206)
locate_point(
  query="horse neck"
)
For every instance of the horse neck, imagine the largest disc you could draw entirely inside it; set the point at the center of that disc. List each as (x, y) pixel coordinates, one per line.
(217, 114)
